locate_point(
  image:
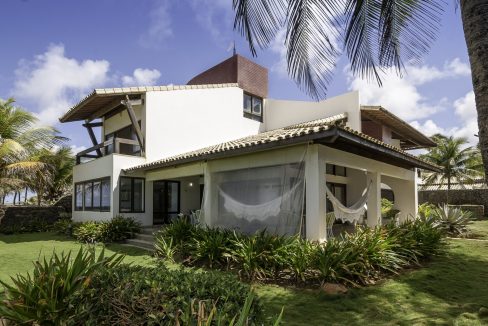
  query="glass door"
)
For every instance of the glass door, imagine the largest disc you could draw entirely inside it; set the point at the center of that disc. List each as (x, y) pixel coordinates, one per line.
(166, 201)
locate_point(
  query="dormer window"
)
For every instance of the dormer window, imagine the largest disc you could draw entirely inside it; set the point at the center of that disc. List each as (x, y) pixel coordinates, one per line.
(253, 107)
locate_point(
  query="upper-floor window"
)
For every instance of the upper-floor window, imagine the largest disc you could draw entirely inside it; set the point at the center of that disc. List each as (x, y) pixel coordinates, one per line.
(253, 107)
(125, 133)
(93, 195)
(335, 170)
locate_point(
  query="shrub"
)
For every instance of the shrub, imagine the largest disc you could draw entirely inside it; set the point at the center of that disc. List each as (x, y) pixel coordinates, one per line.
(212, 246)
(65, 227)
(182, 234)
(134, 295)
(45, 297)
(28, 226)
(117, 229)
(453, 221)
(425, 210)
(121, 228)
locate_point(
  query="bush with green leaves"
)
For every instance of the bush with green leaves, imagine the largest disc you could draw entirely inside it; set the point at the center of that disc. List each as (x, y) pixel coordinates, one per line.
(65, 227)
(33, 225)
(45, 297)
(452, 220)
(135, 295)
(117, 229)
(356, 259)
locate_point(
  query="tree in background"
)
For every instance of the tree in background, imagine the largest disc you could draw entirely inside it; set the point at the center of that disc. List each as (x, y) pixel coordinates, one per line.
(460, 163)
(376, 35)
(20, 141)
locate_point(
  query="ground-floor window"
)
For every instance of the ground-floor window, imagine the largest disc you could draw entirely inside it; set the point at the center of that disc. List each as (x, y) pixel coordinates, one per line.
(131, 195)
(93, 195)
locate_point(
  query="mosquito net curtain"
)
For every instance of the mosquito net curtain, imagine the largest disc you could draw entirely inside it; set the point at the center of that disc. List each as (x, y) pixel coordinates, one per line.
(254, 199)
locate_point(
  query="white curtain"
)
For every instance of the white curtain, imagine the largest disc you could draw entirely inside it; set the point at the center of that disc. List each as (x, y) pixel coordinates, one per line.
(254, 199)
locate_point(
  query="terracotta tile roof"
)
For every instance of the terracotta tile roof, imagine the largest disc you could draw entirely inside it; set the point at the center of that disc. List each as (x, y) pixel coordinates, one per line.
(477, 184)
(102, 96)
(273, 139)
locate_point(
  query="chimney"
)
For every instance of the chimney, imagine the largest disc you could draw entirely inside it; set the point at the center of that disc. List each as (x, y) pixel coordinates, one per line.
(250, 76)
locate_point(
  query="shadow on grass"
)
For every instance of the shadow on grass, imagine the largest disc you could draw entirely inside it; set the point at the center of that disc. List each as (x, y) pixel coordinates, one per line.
(32, 237)
(449, 289)
(128, 251)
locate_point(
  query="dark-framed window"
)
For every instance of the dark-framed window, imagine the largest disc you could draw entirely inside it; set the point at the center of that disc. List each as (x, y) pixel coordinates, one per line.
(131, 195)
(340, 192)
(338, 170)
(93, 195)
(253, 107)
(127, 132)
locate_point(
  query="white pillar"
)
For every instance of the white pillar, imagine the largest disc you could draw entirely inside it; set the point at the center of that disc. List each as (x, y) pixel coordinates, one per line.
(406, 196)
(315, 195)
(208, 196)
(374, 199)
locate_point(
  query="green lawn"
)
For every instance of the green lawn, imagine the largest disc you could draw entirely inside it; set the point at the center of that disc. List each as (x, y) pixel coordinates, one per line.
(450, 290)
(17, 252)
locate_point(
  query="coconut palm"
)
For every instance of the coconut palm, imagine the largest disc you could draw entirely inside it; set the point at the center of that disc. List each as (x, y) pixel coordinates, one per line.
(376, 35)
(20, 138)
(458, 161)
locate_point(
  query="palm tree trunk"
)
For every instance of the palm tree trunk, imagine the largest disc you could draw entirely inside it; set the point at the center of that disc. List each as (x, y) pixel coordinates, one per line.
(25, 196)
(475, 24)
(448, 189)
(15, 197)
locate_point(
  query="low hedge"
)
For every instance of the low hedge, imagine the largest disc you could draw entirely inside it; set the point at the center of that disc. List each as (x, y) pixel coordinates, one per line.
(356, 259)
(117, 229)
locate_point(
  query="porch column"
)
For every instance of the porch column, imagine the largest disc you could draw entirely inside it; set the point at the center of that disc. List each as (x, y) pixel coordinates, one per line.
(315, 195)
(406, 196)
(207, 195)
(374, 199)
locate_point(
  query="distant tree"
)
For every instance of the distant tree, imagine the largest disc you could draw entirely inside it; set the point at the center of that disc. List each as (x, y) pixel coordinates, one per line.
(375, 34)
(20, 139)
(61, 162)
(459, 162)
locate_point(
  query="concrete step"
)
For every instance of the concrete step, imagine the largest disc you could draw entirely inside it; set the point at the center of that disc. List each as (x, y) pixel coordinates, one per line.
(143, 244)
(145, 237)
(150, 230)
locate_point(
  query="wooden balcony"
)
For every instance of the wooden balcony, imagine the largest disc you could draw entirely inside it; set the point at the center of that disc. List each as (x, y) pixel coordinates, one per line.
(102, 149)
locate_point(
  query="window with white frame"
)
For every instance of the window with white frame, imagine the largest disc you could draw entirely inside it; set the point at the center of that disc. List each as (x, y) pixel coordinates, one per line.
(253, 107)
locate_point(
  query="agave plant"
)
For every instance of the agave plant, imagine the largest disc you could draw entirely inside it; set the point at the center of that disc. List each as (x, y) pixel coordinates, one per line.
(212, 246)
(453, 221)
(43, 298)
(164, 248)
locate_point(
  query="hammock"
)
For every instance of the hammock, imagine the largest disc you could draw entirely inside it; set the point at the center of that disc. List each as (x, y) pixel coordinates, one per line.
(350, 214)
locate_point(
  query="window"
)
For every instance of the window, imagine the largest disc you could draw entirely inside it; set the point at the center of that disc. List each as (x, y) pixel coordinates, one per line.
(335, 170)
(131, 195)
(253, 107)
(124, 133)
(339, 192)
(93, 195)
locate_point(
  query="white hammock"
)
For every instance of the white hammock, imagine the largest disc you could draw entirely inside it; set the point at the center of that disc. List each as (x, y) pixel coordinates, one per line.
(350, 214)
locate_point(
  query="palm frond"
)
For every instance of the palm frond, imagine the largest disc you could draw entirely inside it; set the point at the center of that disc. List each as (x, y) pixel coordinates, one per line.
(313, 30)
(259, 21)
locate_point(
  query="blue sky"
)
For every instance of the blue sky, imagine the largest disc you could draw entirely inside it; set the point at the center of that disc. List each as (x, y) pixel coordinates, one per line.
(55, 52)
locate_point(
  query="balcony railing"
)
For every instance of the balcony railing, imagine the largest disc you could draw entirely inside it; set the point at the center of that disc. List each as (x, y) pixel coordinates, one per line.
(109, 146)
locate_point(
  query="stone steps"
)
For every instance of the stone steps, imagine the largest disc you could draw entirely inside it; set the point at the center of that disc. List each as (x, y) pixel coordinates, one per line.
(145, 239)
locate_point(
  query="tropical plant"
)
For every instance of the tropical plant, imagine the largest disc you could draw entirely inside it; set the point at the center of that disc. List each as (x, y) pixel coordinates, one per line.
(452, 220)
(212, 246)
(20, 140)
(457, 161)
(45, 296)
(376, 36)
(117, 229)
(135, 295)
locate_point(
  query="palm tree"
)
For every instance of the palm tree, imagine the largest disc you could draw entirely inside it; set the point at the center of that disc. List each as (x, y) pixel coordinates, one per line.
(459, 162)
(375, 34)
(20, 138)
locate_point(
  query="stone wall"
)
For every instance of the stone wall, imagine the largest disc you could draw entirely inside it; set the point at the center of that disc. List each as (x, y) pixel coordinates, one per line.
(21, 218)
(457, 197)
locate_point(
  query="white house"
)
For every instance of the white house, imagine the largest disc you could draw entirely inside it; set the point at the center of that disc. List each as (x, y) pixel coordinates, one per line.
(219, 144)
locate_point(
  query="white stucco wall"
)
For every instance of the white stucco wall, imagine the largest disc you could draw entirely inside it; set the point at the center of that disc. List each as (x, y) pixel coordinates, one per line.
(281, 113)
(121, 120)
(184, 120)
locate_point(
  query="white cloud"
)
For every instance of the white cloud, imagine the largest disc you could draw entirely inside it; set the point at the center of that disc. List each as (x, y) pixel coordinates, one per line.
(142, 77)
(159, 28)
(52, 81)
(402, 95)
(465, 113)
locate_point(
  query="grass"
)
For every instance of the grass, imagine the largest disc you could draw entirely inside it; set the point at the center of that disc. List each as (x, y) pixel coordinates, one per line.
(479, 230)
(18, 251)
(450, 290)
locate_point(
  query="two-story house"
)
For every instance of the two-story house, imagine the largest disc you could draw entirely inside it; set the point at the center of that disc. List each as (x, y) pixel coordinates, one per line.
(249, 162)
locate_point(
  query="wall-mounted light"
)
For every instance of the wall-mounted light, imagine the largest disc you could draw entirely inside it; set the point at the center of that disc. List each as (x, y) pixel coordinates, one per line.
(190, 184)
